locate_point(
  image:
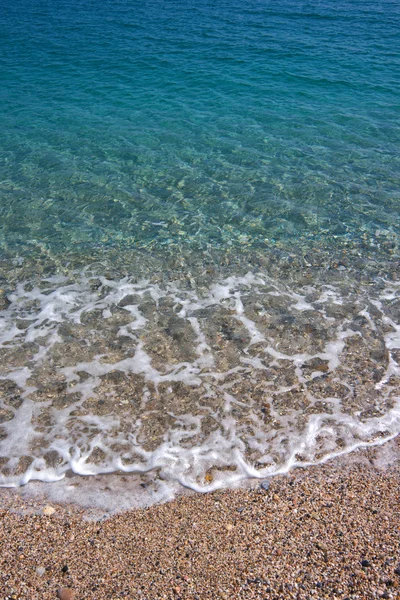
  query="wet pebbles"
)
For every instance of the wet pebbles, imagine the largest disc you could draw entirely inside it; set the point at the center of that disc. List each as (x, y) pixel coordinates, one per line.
(326, 532)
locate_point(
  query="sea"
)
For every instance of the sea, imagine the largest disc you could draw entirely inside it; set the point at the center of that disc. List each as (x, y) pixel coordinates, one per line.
(199, 241)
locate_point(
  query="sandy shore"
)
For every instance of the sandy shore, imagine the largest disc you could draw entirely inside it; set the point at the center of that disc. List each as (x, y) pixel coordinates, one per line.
(330, 531)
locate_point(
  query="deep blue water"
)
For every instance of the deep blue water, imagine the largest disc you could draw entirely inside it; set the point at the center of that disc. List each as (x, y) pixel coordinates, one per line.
(225, 123)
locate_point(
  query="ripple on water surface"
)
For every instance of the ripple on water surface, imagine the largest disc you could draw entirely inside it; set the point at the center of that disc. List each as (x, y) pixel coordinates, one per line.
(201, 382)
(199, 237)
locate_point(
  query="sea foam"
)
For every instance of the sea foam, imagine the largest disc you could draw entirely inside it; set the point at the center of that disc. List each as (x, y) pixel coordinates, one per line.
(200, 388)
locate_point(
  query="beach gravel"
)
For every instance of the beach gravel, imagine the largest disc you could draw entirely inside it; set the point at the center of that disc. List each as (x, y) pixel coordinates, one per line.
(330, 531)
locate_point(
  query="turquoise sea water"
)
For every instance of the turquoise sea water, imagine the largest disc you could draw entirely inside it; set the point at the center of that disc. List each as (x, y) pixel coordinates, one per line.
(199, 235)
(274, 120)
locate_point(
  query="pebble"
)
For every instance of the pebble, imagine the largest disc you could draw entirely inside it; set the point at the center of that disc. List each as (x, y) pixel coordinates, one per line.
(365, 563)
(265, 484)
(322, 546)
(40, 571)
(65, 593)
(48, 511)
(4, 301)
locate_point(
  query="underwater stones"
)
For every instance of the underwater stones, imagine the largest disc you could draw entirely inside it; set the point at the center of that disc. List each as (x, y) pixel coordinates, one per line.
(177, 329)
(316, 364)
(4, 301)
(129, 300)
(6, 415)
(268, 355)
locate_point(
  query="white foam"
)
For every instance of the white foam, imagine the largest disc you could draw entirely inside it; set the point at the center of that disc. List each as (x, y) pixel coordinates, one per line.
(261, 359)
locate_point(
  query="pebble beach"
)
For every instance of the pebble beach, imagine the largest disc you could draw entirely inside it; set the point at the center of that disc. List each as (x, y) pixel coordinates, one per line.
(200, 300)
(329, 531)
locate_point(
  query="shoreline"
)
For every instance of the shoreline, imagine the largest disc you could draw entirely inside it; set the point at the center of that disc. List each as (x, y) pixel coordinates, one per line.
(328, 531)
(275, 357)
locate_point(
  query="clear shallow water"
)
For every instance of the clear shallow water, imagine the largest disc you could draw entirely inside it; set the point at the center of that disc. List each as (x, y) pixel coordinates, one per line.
(199, 236)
